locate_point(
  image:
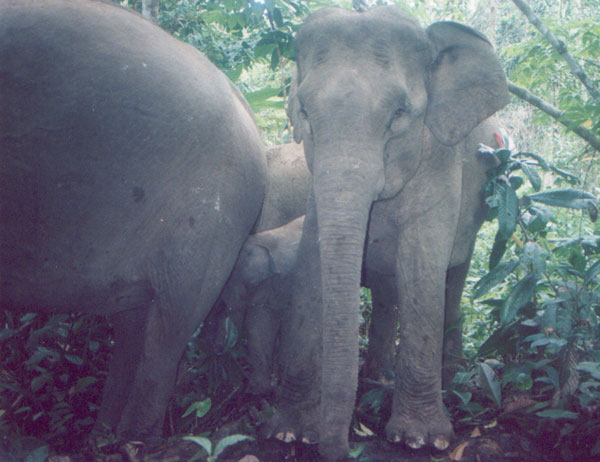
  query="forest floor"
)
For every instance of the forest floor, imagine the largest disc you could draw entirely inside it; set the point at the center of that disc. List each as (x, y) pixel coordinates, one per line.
(502, 440)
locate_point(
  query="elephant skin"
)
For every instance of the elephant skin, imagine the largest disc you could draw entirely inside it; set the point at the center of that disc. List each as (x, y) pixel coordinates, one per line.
(132, 172)
(390, 116)
(256, 295)
(289, 182)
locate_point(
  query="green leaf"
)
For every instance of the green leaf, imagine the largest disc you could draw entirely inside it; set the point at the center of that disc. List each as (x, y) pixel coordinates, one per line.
(494, 277)
(74, 359)
(356, 451)
(202, 441)
(465, 397)
(200, 407)
(508, 209)
(235, 73)
(521, 294)
(231, 334)
(568, 176)
(229, 441)
(84, 382)
(28, 317)
(591, 273)
(557, 414)
(275, 59)
(262, 99)
(532, 176)
(523, 381)
(533, 256)
(490, 383)
(540, 160)
(38, 382)
(497, 252)
(559, 342)
(569, 198)
(536, 218)
(500, 341)
(591, 368)
(38, 455)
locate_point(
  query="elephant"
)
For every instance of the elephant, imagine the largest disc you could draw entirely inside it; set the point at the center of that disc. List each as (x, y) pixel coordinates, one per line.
(288, 184)
(132, 171)
(256, 294)
(390, 116)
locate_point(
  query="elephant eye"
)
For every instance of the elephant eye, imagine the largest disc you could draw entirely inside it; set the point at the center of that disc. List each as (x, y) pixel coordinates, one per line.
(400, 112)
(303, 114)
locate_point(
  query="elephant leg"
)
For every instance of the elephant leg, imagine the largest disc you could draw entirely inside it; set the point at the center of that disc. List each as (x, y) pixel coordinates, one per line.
(297, 403)
(154, 378)
(382, 329)
(127, 327)
(455, 281)
(418, 417)
(262, 326)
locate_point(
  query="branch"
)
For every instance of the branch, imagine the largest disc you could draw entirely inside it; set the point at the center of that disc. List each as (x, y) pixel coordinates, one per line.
(575, 68)
(555, 113)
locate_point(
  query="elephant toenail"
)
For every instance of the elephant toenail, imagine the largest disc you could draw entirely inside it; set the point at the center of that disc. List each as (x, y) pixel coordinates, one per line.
(417, 443)
(441, 443)
(289, 437)
(397, 439)
(279, 436)
(309, 438)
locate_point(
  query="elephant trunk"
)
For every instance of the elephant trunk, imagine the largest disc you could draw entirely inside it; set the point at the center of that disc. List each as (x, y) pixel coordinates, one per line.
(344, 187)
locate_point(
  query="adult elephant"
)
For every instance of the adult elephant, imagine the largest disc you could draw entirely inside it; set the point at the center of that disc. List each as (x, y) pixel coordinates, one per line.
(131, 174)
(390, 116)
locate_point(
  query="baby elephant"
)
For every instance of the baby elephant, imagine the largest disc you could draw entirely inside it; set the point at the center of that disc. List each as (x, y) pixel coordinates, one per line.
(255, 295)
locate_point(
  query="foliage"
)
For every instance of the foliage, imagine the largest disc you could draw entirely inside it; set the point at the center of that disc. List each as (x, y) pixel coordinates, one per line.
(221, 445)
(545, 303)
(51, 371)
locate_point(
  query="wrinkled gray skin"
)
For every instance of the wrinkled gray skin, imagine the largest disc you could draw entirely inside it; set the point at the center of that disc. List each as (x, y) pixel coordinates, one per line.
(288, 185)
(256, 294)
(257, 290)
(390, 116)
(132, 172)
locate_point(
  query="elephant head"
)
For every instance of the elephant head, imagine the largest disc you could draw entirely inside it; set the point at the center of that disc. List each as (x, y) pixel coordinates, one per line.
(375, 93)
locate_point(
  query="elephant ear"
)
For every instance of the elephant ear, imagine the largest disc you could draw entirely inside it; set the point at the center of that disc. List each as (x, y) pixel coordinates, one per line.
(293, 108)
(466, 82)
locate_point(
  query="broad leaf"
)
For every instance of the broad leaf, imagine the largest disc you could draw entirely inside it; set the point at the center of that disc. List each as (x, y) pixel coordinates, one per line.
(490, 383)
(534, 256)
(494, 277)
(532, 176)
(200, 407)
(497, 252)
(508, 209)
(591, 273)
(591, 368)
(521, 294)
(202, 441)
(229, 441)
(557, 414)
(573, 179)
(570, 198)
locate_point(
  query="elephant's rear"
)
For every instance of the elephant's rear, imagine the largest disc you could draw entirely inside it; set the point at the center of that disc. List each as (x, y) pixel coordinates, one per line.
(122, 151)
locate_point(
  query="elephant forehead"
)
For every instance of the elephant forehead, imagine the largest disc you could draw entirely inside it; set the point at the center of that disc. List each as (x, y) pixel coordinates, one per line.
(382, 34)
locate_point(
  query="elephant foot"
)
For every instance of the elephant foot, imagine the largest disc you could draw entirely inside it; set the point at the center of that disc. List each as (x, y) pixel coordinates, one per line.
(293, 423)
(419, 432)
